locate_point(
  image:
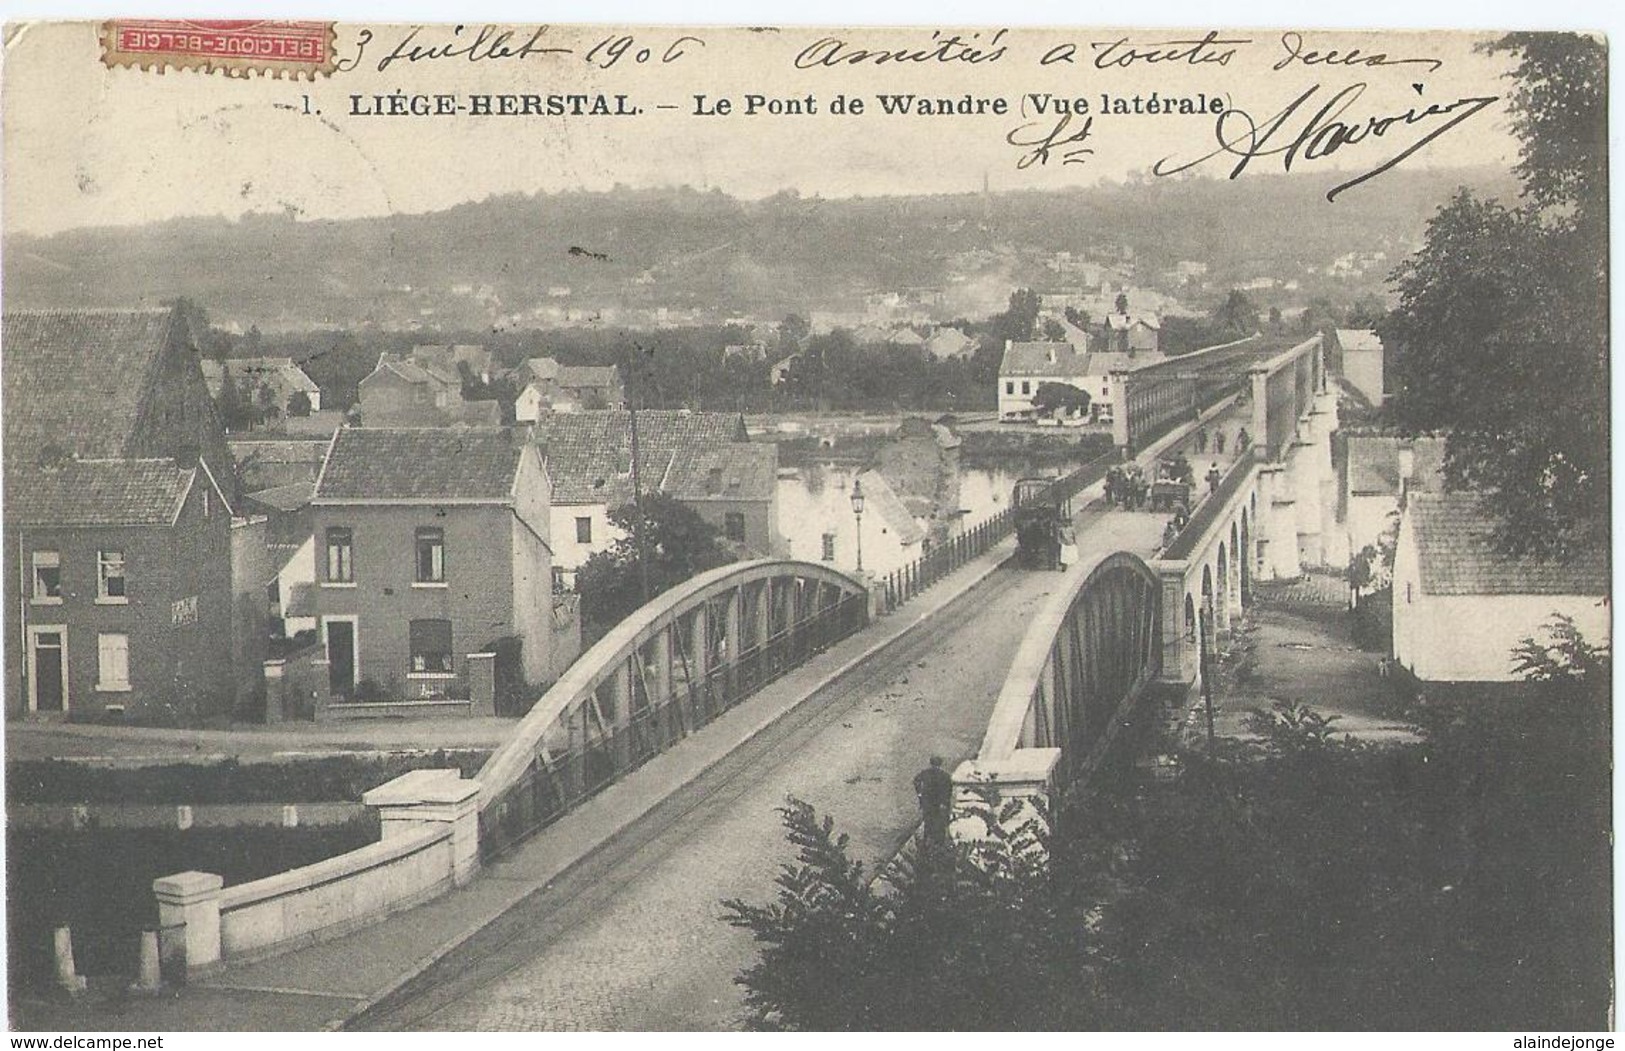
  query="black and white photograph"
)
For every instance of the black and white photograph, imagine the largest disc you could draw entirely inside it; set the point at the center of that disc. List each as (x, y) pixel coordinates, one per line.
(793, 528)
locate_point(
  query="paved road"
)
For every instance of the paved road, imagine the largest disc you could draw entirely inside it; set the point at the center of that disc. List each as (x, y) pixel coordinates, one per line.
(633, 938)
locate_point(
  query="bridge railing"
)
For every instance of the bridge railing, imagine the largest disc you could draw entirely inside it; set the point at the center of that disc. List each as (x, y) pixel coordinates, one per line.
(904, 583)
(1212, 506)
(673, 667)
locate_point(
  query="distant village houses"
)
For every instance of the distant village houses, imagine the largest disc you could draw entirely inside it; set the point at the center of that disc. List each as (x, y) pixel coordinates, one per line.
(424, 389)
(545, 386)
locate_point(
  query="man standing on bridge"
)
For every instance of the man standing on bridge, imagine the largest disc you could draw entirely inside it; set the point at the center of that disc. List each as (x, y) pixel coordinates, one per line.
(935, 788)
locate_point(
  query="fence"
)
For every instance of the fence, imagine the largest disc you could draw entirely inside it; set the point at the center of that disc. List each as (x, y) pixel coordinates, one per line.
(594, 755)
(904, 583)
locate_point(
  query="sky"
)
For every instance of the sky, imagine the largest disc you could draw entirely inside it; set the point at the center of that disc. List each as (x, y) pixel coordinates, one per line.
(87, 146)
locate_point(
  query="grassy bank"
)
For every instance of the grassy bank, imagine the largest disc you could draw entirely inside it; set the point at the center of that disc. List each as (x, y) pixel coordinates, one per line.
(327, 779)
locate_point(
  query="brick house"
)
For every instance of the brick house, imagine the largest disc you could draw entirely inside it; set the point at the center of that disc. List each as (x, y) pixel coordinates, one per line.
(118, 521)
(431, 544)
(419, 392)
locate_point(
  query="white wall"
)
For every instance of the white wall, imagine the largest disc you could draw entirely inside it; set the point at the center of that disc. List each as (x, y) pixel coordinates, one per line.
(568, 555)
(1098, 388)
(805, 516)
(1470, 638)
(301, 569)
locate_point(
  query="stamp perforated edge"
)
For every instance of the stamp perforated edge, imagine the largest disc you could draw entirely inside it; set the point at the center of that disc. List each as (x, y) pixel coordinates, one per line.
(245, 66)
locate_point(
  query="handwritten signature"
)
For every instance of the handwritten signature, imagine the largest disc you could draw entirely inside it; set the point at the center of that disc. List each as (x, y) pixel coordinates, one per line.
(1326, 131)
(1298, 52)
(1040, 145)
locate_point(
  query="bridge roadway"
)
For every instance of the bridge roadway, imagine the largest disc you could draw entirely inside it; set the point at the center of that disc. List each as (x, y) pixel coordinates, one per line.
(632, 938)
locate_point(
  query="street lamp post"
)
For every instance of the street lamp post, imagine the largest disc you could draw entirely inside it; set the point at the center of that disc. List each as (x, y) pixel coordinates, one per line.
(857, 513)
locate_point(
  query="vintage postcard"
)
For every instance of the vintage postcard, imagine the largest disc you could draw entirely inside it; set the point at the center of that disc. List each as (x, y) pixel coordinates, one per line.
(646, 528)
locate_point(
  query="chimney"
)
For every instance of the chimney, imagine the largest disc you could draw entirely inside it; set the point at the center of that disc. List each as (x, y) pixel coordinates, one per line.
(1051, 353)
(1407, 469)
(713, 480)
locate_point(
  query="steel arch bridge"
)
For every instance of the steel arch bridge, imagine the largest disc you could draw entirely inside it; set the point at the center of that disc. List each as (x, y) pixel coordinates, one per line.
(677, 663)
(1086, 658)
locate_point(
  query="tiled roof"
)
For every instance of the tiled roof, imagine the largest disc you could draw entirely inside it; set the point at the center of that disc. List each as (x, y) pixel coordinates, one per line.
(1456, 557)
(97, 493)
(1358, 339)
(289, 497)
(744, 471)
(421, 463)
(587, 376)
(1043, 359)
(1035, 359)
(1374, 463)
(77, 378)
(1120, 322)
(589, 454)
(543, 369)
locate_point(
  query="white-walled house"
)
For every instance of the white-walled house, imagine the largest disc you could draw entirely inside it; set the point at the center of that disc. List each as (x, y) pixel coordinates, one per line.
(1378, 469)
(819, 526)
(1028, 366)
(1461, 606)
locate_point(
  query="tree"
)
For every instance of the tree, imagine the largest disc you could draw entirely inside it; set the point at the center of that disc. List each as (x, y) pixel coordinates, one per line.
(299, 404)
(1079, 318)
(1063, 397)
(1501, 332)
(969, 937)
(1236, 317)
(793, 332)
(237, 410)
(677, 544)
(1120, 304)
(1053, 332)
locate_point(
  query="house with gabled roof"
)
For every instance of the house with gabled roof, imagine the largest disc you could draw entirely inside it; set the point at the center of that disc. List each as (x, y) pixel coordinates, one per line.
(1357, 356)
(1462, 604)
(119, 525)
(704, 459)
(423, 390)
(280, 376)
(432, 543)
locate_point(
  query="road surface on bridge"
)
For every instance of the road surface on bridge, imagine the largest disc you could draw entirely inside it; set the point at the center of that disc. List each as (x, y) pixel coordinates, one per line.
(633, 938)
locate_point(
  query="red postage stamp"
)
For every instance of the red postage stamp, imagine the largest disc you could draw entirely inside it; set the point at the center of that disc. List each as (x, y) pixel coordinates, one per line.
(236, 48)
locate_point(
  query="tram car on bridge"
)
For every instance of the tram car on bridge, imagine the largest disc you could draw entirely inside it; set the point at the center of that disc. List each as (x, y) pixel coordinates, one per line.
(1172, 489)
(1039, 518)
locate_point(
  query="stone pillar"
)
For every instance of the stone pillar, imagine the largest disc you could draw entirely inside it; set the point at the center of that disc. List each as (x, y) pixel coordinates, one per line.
(482, 684)
(1178, 664)
(189, 915)
(983, 786)
(276, 700)
(1120, 410)
(428, 798)
(321, 691)
(1260, 425)
(1278, 525)
(1303, 470)
(68, 978)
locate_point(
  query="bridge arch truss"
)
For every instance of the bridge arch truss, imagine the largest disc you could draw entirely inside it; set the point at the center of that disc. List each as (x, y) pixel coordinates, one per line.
(673, 666)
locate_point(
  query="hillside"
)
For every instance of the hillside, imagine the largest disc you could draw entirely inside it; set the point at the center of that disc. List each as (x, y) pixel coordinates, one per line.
(529, 259)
